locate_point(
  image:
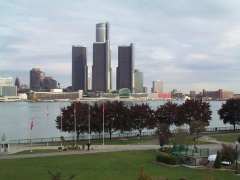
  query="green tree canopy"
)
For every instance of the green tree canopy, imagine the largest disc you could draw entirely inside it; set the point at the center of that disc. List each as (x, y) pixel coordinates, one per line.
(230, 112)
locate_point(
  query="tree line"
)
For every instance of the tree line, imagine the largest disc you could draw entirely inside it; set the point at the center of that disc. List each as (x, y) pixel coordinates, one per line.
(120, 117)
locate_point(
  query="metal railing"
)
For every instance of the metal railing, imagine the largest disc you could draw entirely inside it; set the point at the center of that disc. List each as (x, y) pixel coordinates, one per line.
(83, 138)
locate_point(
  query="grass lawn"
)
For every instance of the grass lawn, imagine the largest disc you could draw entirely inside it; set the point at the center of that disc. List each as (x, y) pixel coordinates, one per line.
(112, 165)
(227, 138)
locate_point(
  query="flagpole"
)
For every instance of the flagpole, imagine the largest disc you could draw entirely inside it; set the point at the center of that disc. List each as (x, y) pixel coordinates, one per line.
(47, 125)
(89, 123)
(75, 123)
(103, 123)
(61, 123)
(31, 133)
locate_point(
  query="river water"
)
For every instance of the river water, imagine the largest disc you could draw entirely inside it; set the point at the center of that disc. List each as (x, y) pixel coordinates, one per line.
(16, 118)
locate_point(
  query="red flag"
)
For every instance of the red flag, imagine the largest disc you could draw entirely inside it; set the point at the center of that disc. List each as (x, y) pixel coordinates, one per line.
(60, 110)
(74, 109)
(103, 109)
(31, 124)
(47, 111)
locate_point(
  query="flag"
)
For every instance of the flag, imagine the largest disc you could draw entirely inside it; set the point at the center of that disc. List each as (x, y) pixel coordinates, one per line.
(47, 111)
(60, 110)
(103, 109)
(31, 124)
(74, 109)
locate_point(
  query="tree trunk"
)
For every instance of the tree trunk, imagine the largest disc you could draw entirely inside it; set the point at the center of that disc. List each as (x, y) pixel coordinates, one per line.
(140, 133)
(234, 126)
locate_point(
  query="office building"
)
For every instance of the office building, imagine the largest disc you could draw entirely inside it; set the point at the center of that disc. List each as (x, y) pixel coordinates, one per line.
(145, 89)
(79, 68)
(49, 83)
(217, 95)
(8, 90)
(138, 81)
(125, 69)
(101, 69)
(36, 79)
(6, 81)
(89, 83)
(157, 86)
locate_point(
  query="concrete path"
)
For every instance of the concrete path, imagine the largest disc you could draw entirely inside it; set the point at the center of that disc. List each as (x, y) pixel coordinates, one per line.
(94, 149)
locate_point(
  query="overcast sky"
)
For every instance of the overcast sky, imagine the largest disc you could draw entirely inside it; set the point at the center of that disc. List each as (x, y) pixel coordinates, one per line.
(189, 45)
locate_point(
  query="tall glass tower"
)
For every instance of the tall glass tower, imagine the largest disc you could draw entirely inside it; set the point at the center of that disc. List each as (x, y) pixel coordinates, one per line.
(101, 69)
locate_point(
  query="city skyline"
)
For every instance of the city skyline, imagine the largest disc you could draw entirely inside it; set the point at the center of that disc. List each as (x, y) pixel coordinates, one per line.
(188, 45)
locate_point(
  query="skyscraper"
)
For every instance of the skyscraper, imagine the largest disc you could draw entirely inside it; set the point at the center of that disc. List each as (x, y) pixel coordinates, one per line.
(36, 79)
(138, 81)
(101, 69)
(79, 68)
(125, 69)
(157, 86)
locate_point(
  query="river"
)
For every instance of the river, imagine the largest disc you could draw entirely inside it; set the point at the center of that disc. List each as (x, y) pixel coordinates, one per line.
(16, 118)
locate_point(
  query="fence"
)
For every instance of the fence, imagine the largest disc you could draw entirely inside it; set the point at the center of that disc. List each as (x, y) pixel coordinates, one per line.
(83, 137)
(183, 149)
(107, 136)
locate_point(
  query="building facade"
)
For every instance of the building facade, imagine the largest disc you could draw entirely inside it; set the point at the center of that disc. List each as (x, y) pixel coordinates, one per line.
(8, 90)
(101, 69)
(36, 79)
(157, 86)
(138, 77)
(125, 69)
(49, 83)
(218, 95)
(79, 68)
(6, 81)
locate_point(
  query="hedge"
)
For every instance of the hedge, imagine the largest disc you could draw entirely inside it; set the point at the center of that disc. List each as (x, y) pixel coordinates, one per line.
(167, 159)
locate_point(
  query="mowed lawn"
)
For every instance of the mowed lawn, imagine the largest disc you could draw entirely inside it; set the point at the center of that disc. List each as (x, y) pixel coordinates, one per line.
(112, 165)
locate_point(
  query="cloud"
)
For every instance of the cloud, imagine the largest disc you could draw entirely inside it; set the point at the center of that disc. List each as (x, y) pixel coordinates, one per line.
(180, 42)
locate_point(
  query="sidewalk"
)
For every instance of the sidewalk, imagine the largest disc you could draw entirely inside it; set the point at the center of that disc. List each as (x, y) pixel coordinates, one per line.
(93, 149)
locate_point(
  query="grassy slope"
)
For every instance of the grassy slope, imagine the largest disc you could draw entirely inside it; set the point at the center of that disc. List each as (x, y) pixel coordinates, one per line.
(114, 165)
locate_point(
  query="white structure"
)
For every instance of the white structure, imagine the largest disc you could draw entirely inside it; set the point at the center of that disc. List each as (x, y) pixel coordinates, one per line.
(4, 145)
(6, 81)
(157, 86)
(56, 90)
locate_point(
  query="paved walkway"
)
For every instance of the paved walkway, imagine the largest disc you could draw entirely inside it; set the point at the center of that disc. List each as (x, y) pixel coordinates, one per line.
(213, 148)
(94, 149)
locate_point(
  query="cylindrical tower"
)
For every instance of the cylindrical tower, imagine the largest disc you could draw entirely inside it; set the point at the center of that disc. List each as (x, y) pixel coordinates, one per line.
(102, 32)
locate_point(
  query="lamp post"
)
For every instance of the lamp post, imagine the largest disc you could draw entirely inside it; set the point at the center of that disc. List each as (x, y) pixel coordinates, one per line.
(236, 172)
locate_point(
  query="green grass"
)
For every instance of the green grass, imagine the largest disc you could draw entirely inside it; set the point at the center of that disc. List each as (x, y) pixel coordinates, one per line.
(227, 138)
(112, 165)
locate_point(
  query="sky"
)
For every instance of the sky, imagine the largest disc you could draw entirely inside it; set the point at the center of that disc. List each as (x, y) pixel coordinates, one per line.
(189, 45)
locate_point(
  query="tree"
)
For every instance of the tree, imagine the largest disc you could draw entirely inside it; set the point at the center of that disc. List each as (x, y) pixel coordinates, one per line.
(169, 113)
(142, 117)
(196, 110)
(228, 153)
(68, 123)
(218, 163)
(230, 112)
(180, 136)
(116, 117)
(143, 175)
(164, 133)
(197, 127)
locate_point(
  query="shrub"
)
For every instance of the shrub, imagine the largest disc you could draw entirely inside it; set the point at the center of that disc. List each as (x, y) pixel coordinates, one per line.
(228, 153)
(166, 149)
(75, 147)
(217, 163)
(65, 149)
(167, 159)
(59, 148)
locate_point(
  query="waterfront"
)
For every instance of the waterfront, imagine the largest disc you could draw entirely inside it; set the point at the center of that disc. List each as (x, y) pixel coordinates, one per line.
(16, 117)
